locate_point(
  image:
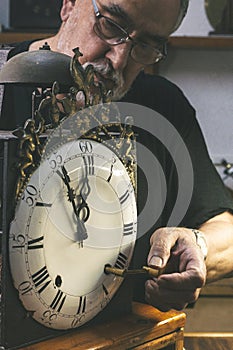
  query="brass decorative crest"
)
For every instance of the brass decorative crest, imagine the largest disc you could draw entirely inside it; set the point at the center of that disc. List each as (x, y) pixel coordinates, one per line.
(72, 107)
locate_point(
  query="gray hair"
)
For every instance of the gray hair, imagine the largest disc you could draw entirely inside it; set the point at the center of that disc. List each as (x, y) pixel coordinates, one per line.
(183, 10)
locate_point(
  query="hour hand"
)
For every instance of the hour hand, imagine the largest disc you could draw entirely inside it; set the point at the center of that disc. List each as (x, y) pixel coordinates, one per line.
(82, 214)
(81, 233)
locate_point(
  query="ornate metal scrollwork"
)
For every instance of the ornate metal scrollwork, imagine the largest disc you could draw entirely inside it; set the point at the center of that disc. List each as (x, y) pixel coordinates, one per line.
(56, 107)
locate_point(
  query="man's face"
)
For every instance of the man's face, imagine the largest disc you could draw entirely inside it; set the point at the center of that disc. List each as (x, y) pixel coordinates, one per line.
(144, 20)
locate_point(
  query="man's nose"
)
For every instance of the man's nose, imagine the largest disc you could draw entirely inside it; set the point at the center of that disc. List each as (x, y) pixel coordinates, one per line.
(119, 55)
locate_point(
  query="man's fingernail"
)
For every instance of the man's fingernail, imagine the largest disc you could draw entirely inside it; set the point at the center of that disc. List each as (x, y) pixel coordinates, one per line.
(156, 261)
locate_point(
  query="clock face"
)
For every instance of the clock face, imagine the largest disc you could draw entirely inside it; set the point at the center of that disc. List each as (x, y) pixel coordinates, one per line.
(77, 214)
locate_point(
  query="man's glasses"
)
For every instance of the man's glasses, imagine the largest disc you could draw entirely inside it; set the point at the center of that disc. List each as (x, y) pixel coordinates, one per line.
(113, 34)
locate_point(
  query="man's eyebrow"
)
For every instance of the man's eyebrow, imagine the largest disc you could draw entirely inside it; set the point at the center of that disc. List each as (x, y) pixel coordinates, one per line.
(117, 11)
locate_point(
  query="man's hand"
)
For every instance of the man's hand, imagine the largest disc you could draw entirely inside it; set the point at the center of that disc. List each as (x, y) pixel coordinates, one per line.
(183, 270)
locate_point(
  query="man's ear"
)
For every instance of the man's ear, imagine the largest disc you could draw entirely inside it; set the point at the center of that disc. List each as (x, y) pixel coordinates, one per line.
(66, 9)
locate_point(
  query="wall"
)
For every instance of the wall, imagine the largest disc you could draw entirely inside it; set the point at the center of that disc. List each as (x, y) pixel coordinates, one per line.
(206, 77)
(4, 13)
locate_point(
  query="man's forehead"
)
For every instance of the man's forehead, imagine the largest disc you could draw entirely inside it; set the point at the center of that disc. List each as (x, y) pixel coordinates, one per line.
(159, 15)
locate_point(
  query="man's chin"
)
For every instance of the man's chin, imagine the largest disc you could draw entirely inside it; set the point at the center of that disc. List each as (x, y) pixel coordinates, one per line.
(110, 83)
(117, 91)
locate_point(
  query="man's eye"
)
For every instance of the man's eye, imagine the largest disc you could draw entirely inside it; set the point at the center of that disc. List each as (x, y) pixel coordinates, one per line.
(142, 45)
(109, 29)
(148, 47)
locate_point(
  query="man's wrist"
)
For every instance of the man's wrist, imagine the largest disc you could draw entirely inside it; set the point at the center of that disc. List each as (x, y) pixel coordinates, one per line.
(201, 242)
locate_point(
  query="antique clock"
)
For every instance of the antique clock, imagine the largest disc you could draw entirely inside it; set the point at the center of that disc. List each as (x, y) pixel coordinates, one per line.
(73, 177)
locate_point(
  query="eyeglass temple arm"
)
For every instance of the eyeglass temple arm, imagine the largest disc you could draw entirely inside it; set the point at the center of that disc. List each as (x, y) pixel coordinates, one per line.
(165, 49)
(95, 7)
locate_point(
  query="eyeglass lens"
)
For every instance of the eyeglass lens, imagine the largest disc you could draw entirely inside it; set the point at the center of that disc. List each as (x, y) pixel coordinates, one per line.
(113, 34)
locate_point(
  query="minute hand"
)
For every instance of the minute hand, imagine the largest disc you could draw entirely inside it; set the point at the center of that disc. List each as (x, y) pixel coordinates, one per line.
(81, 233)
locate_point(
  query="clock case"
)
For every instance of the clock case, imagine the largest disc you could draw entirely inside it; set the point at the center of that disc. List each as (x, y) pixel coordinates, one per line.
(17, 327)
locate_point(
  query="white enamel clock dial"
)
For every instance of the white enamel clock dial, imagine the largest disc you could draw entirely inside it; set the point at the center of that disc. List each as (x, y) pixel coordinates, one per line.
(77, 214)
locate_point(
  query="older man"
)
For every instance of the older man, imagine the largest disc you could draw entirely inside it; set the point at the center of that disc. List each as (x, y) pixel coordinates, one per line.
(120, 38)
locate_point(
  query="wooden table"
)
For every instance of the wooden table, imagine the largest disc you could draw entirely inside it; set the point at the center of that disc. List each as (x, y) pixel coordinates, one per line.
(144, 328)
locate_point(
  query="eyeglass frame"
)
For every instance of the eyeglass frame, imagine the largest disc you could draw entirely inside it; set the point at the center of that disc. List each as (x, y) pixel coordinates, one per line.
(126, 38)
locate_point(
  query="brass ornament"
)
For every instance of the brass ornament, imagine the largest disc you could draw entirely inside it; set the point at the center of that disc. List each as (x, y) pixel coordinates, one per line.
(29, 151)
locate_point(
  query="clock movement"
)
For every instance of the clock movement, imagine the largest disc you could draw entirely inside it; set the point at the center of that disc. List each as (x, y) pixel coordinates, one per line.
(68, 194)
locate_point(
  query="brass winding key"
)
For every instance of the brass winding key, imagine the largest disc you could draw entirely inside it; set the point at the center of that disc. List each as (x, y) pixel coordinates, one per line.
(125, 272)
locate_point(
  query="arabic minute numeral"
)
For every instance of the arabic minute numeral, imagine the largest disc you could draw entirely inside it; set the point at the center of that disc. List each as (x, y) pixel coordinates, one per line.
(25, 288)
(48, 317)
(29, 195)
(19, 241)
(85, 146)
(56, 161)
